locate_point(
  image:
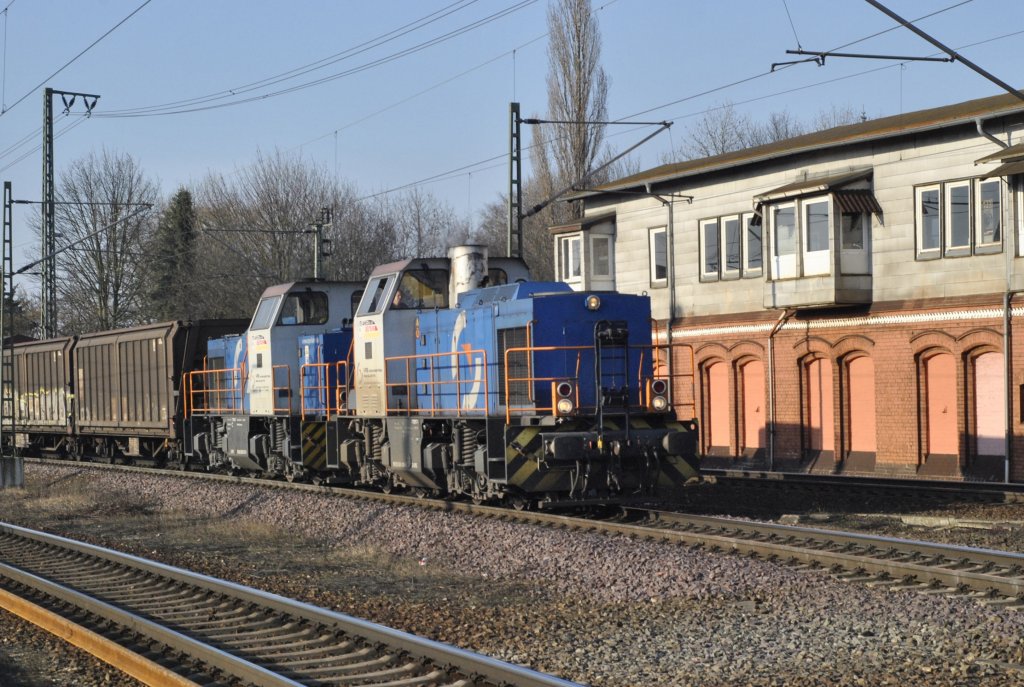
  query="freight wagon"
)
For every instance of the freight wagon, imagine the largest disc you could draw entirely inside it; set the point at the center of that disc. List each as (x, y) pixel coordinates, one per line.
(112, 395)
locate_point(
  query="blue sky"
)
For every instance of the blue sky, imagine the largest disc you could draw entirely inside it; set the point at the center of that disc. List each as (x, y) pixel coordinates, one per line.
(445, 107)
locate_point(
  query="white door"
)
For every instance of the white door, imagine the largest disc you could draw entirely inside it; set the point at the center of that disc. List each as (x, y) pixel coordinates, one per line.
(816, 231)
(784, 264)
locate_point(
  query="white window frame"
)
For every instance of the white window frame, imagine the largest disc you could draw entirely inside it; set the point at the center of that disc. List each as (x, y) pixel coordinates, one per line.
(723, 247)
(854, 260)
(652, 233)
(785, 266)
(978, 217)
(1018, 211)
(705, 224)
(947, 218)
(566, 264)
(919, 192)
(593, 256)
(816, 262)
(745, 222)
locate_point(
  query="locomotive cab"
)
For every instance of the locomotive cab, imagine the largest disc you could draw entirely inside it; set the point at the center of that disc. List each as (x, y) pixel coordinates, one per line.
(246, 417)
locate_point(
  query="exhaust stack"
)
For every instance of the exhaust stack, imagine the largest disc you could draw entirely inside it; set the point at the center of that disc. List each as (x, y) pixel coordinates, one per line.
(469, 269)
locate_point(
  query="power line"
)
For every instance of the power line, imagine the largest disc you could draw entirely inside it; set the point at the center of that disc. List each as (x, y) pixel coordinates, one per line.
(423, 92)
(161, 111)
(377, 41)
(39, 147)
(69, 62)
(476, 166)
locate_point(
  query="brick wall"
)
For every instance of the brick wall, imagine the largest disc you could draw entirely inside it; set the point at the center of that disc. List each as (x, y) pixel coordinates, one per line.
(899, 338)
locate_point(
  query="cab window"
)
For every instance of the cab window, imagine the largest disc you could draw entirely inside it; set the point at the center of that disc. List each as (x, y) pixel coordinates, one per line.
(264, 313)
(373, 298)
(497, 277)
(354, 302)
(304, 307)
(420, 289)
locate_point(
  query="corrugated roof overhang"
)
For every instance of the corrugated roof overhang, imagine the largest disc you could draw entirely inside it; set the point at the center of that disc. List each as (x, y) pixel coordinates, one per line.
(1003, 154)
(1015, 167)
(582, 223)
(808, 186)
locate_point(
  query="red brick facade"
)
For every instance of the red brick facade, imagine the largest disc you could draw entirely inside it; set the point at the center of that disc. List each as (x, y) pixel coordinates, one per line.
(902, 341)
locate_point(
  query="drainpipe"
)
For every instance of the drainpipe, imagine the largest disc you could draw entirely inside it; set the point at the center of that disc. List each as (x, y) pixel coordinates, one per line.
(771, 385)
(979, 123)
(1008, 394)
(671, 276)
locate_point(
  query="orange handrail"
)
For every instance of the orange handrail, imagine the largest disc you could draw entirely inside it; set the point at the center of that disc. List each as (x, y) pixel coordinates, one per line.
(210, 396)
(331, 406)
(433, 383)
(531, 380)
(287, 408)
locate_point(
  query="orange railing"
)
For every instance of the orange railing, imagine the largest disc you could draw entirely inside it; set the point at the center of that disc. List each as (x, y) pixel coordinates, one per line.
(659, 360)
(530, 379)
(332, 394)
(287, 388)
(455, 383)
(214, 392)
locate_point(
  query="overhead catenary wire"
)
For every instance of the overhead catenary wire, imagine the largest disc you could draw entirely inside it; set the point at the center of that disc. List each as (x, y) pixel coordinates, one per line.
(39, 147)
(478, 165)
(377, 41)
(73, 59)
(332, 77)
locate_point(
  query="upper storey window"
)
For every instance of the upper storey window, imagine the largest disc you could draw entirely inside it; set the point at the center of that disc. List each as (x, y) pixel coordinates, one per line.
(658, 242)
(730, 247)
(819, 226)
(958, 218)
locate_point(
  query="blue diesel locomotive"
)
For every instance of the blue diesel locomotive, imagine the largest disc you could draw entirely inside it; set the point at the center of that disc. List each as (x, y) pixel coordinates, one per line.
(448, 376)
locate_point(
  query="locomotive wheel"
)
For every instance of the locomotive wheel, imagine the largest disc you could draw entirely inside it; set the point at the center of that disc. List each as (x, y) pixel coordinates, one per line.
(521, 503)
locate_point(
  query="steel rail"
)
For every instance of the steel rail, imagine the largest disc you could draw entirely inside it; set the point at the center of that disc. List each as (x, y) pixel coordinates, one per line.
(390, 652)
(982, 570)
(985, 491)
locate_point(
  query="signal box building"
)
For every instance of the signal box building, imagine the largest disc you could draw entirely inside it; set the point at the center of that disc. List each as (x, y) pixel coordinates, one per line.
(844, 302)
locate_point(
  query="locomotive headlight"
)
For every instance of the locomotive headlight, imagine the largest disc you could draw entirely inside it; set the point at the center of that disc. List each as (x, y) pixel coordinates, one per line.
(563, 393)
(593, 302)
(657, 395)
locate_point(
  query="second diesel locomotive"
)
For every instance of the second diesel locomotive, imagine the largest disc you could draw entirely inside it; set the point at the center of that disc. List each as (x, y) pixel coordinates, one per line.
(446, 376)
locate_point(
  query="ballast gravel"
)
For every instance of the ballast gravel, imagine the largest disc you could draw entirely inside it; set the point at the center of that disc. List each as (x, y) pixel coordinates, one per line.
(592, 608)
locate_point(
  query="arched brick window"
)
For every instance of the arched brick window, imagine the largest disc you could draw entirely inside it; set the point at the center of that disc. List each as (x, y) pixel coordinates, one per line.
(989, 396)
(940, 400)
(753, 405)
(716, 408)
(860, 404)
(820, 420)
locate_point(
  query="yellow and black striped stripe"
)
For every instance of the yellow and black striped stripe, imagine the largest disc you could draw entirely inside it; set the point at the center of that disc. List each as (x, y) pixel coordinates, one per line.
(314, 445)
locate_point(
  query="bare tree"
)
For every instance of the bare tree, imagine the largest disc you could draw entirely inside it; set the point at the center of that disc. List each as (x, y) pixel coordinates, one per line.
(577, 89)
(565, 153)
(724, 129)
(101, 275)
(426, 226)
(254, 230)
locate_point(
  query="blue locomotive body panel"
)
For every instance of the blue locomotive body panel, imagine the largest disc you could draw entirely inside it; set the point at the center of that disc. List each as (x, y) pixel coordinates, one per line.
(227, 354)
(464, 361)
(318, 358)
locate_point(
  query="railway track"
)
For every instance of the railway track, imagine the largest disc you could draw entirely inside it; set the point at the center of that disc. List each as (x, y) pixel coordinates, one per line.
(881, 487)
(995, 576)
(187, 628)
